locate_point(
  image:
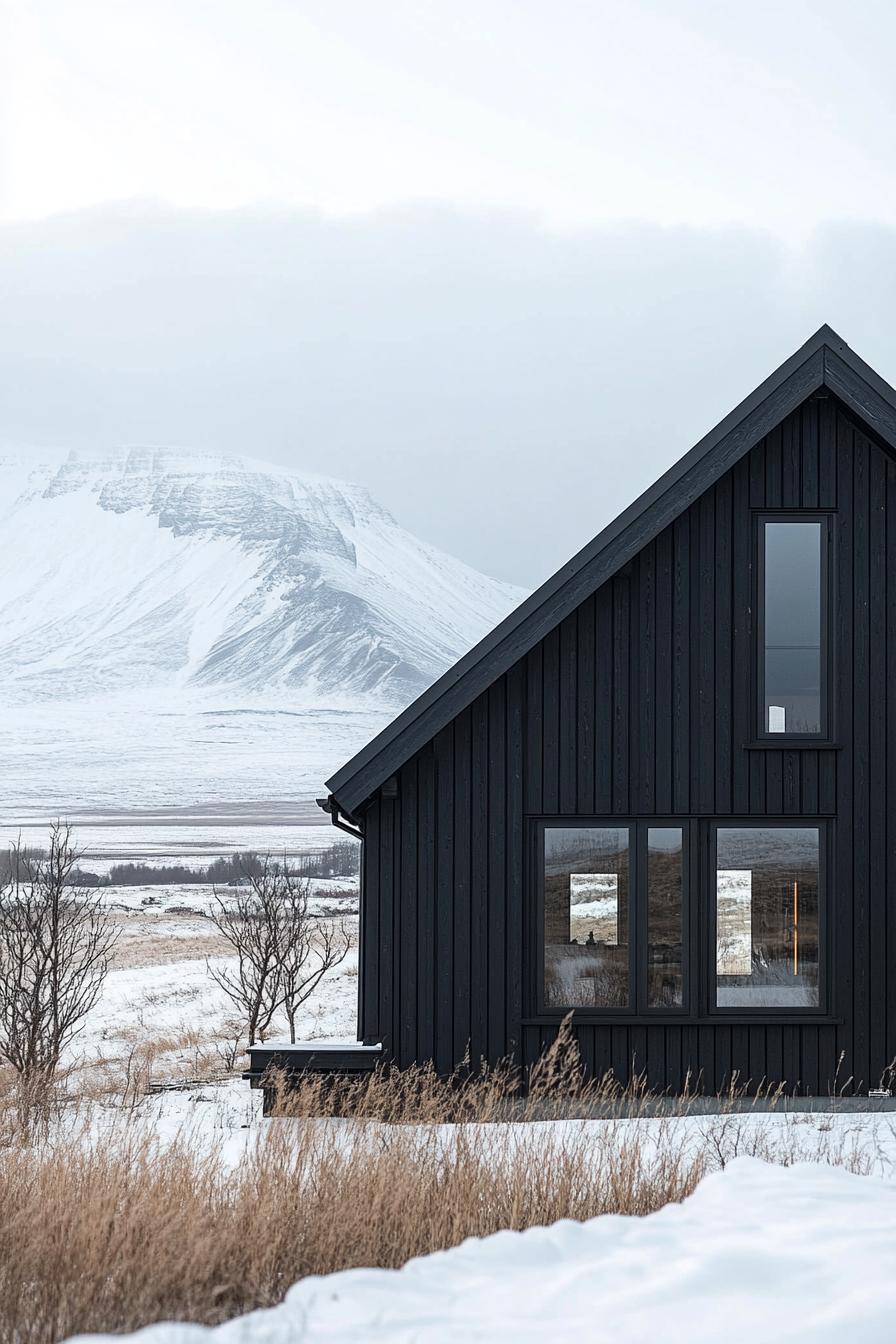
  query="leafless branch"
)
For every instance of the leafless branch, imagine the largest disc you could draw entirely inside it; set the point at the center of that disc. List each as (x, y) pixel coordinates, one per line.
(308, 949)
(56, 945)
(281, 951)
(248, 920)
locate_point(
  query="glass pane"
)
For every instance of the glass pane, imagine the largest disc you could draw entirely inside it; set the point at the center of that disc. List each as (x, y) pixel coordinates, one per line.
(767, 882)
(586, 883)
(792, 628)
(664, 917)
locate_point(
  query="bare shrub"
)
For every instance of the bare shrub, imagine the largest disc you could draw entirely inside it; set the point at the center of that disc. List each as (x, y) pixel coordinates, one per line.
(341, 859)
(308, 949)
(248, 919)
(229, 1048)
(282, 952)
(14, 862)
(55, 950)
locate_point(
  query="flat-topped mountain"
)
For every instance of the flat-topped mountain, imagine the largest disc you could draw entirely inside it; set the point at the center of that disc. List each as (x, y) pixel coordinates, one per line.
(152, 567)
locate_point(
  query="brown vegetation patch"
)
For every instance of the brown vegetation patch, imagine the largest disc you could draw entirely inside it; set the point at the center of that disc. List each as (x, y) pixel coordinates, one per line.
(160, 940)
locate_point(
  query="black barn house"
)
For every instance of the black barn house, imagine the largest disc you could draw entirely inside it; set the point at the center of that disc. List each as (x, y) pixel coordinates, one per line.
(661, 793)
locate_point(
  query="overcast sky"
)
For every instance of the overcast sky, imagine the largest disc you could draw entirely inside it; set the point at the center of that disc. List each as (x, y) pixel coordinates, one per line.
(502, 262)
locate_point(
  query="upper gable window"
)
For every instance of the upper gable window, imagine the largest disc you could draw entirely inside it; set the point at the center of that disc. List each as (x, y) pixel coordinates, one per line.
(792, 589)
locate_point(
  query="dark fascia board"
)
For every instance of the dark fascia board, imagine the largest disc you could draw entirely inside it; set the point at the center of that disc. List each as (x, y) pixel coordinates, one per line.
(824, 361)
(861, 389)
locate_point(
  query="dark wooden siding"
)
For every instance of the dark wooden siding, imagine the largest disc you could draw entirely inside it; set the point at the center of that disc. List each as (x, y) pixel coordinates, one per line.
(641, 703)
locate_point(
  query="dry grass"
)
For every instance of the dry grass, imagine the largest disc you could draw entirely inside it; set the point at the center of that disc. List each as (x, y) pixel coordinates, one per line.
(556, 1088)
(110, 1233)
(163, 939)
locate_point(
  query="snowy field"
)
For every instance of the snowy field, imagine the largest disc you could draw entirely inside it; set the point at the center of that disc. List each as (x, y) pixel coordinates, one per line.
(160, 999)
(164, 749)
(328, 896)
(128, 837)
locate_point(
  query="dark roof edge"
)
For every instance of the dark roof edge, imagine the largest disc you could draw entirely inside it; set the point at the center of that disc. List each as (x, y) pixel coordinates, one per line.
(824, 360)
(860, 387)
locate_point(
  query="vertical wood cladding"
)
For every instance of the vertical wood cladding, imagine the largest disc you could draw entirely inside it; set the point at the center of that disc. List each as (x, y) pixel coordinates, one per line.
(641, 703)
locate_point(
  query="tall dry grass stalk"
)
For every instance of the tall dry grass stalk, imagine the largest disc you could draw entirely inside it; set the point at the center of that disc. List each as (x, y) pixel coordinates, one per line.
(557, 1088)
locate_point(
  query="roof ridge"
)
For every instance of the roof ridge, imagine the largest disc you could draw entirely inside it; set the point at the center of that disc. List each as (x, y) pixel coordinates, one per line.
(824, 359)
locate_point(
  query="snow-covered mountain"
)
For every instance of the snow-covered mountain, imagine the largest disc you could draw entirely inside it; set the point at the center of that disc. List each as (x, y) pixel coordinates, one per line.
(152, 568)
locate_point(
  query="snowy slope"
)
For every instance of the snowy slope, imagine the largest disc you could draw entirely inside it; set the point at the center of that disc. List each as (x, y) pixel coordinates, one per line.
(176, 628)
(152, 568)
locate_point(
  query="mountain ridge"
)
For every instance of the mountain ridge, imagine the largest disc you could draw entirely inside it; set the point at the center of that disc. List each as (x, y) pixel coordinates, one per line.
(148, 567)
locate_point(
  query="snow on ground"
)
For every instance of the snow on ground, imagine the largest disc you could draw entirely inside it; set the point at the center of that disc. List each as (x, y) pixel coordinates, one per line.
(328, 895)
(161, 995)
(126, 837)
(154, 1003)
(160, 999)
(226, 1116)
(223, 1117)
(757, 1252)
(157, 748)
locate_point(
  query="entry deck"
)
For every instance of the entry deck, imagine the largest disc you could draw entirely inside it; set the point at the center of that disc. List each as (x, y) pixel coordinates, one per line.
(334, 1057)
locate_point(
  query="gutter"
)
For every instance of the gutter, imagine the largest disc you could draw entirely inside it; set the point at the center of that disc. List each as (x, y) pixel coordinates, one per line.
(331, 807)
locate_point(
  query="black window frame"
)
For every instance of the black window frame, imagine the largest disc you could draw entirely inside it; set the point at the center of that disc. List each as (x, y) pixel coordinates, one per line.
(688, 836)
(637, 828)
(583, 824)
(760, 732)
(699, 850)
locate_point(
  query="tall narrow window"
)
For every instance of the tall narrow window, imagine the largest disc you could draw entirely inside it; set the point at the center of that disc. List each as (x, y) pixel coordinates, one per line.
(767, 916)
(664, 917)
(586, 917)
(792, 623)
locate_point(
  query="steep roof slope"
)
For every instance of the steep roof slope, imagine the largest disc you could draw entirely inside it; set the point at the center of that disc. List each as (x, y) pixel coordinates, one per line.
(825, 361)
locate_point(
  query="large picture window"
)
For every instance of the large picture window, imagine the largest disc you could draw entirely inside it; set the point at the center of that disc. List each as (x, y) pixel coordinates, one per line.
(647, 919)
(792, 625)
(767, 916)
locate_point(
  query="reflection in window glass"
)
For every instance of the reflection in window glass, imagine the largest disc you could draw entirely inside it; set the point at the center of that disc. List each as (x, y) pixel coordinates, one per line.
(734, 931)
(767, 893)
(586, 887)
(664, 917)
(792, 627)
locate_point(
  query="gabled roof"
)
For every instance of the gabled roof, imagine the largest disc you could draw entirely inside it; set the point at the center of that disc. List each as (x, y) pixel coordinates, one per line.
(825, 361)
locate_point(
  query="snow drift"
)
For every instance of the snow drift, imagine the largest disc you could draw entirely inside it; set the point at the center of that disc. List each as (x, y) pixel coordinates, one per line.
(757, 1252)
